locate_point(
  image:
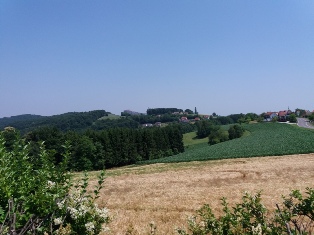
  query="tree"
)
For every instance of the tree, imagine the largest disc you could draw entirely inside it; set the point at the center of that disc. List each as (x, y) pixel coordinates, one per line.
(235, 131)
(274, 119)
(204, 128)
(300, 112)
(10, 135)
(292, 118)
(189, 111)
(195, 111)
(243, 120)
(251, 116)
(45, 201)
(217, 135)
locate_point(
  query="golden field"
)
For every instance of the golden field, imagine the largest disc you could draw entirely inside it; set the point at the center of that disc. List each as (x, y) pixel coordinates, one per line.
(168, 193)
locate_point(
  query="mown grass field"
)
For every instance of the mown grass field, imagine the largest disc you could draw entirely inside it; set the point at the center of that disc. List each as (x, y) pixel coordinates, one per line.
(110, 116)
(262, 139)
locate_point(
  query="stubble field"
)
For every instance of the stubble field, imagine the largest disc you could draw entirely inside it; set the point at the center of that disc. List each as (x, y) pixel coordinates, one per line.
(168, 193)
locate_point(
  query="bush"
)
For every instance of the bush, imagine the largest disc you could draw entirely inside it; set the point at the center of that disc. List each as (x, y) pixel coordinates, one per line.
(251, 217)
(235, 131)
(293, 118)
(43, 199)
(217, 136)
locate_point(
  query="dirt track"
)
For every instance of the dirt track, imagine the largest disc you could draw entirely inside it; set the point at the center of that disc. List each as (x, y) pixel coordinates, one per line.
(167, 195)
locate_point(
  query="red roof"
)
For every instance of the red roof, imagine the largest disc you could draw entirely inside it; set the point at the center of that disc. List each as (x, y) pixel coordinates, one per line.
(282, 113)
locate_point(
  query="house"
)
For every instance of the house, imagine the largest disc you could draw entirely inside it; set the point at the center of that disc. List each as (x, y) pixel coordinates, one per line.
(147, 125)
(269, 116)
(184, 119)
(197, 119)
(284, 115)
(308, 113)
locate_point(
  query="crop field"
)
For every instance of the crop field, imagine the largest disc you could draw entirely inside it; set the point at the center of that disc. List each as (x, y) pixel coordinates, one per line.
(169, 193)
(264, 139)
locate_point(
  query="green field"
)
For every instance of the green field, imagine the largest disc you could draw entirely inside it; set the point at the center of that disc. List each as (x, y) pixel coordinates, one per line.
(191, 139)
(110, 116)
(261, 139)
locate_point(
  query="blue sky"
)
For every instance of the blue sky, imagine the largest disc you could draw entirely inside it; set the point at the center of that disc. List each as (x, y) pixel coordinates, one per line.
(219, 56)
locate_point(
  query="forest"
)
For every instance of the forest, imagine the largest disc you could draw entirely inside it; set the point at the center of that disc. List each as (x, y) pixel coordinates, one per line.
(97, 141)
(96, 150)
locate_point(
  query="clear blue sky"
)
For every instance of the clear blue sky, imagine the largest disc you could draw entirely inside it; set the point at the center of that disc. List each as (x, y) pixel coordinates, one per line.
(217, 55)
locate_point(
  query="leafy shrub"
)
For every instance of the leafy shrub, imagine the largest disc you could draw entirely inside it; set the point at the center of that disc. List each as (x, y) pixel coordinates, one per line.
(235, 131)
(251, 217)
(217, 135)
(43, 199)
(292, 118)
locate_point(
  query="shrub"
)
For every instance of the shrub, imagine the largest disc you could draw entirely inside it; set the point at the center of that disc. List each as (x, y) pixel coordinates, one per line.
(235, 131)
(217, 136)
(43, 199)
(251, 217)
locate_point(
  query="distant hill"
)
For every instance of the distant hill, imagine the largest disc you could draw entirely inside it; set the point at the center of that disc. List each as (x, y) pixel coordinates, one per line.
(67, 121)
(7, 121)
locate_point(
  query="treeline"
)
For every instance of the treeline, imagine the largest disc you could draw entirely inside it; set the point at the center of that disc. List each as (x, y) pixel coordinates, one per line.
(160, 111)
(166, 118)
(104, 124)
(95, 150)
(216, 133)
(77, 121)
(101, 120)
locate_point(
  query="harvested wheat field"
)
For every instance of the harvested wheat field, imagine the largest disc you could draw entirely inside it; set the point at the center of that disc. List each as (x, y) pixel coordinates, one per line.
(168, 193)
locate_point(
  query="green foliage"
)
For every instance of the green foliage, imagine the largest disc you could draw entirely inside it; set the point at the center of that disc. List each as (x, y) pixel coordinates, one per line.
(105, 124)
(274, 119)
(38, 199)
(96, 150)
(300, 112)
(158, 111)
(68, 121)
(292, 118)
(235, 131)
(204, 128)
(164, 118)
(217, 135)
(236, 117)
(251, 217)
(187, 127)
(10, 135)
(188, 111)
(221, 120)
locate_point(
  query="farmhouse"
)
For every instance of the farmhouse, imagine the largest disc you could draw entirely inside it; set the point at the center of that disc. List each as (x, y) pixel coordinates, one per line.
(184, 119)
(283, 115)
(270, 115)
(147, 125)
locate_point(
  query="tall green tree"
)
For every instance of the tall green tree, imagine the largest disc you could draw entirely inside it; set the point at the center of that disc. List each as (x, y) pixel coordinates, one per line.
(235, 131)
(204, 128)
(217, 135)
